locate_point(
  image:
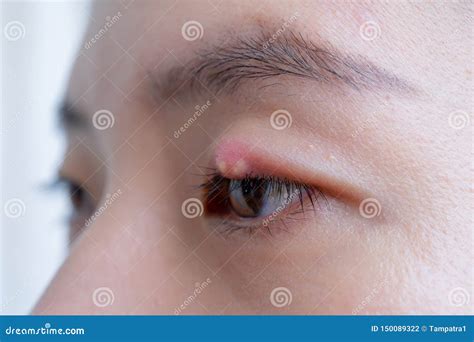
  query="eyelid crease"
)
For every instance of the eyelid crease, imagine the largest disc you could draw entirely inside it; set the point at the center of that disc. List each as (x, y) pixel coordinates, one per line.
(260, 161)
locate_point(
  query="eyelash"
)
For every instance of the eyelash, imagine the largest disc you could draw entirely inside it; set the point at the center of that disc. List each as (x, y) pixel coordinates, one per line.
(75, 191)
(217, 190)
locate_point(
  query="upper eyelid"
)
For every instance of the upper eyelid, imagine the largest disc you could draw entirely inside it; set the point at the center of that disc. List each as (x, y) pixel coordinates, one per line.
(58, 182)
(335, 179)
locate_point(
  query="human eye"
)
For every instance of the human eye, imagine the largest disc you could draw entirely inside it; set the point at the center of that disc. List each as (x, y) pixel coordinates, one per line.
(80, 201)
(257, 201)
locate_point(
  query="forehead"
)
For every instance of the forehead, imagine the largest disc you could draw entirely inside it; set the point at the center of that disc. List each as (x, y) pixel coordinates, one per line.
(125, 43)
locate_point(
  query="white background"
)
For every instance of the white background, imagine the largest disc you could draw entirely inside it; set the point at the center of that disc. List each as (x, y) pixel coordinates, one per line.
(34, 73)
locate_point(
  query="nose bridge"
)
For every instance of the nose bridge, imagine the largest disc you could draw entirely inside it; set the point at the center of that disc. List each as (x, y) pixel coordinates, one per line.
(128, 232)
(116, 265)
(149, 264)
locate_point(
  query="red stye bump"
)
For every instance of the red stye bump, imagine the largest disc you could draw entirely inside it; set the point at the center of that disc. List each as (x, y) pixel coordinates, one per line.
(234, 159)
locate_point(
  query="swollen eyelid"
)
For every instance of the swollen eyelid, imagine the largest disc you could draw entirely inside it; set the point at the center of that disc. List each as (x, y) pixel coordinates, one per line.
(233, 160)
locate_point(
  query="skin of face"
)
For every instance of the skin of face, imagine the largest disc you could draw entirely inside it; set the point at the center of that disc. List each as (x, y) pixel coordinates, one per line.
(397, 148)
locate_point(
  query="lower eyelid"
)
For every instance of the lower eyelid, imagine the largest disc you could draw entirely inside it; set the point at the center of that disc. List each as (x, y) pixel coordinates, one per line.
(270, 224)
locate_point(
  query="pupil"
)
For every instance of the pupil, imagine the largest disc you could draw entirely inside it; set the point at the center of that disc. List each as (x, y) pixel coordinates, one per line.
(254, 194)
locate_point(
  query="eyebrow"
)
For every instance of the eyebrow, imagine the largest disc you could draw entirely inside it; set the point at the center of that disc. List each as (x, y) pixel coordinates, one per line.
(224, 69)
